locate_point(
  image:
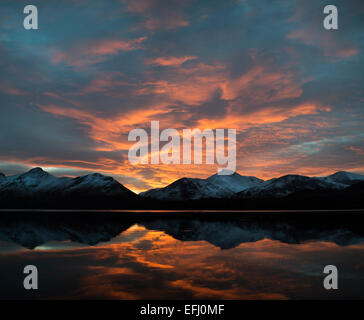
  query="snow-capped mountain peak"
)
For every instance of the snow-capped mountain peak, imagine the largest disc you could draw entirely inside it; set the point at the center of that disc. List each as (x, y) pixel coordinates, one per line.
(95, 179)
(344, 177)
(32, 181)
(216, 186)
(235, 182)
(39, 172)
(286, 185)
(98, 183)
(39, 182)
(188, 189)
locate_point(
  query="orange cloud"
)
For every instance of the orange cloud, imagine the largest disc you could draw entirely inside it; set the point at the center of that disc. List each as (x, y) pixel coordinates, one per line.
(191, 85)
(358, 150)
(107, 84)
(107, 131)
(170, 23)
(196, 83)
(264, 85)
(96, 51)
(347, 52)
(259, 117)
(325, 41)
(157, 14)
(12, 90)
(171, 61)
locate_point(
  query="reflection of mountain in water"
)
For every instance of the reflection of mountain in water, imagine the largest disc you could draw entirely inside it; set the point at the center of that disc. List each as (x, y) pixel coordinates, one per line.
(222, 230)
(33, 232)
(227, 235)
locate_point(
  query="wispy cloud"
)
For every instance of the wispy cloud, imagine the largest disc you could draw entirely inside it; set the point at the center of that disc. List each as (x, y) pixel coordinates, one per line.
(170, 61)
(95, 51)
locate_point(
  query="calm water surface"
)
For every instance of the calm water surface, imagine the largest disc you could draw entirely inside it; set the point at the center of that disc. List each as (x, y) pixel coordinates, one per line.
(194, 257)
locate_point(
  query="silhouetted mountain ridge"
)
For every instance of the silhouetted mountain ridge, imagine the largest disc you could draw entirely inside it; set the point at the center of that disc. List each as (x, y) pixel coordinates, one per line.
(214, 187)
(288, 184)
(39, 189)
(246, 187)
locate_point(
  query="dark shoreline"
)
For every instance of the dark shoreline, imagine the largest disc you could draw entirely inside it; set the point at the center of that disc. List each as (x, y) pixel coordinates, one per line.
(315, 218)
(40, 210)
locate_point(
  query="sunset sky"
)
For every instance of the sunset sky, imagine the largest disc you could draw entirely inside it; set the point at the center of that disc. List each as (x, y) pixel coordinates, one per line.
(71, 91)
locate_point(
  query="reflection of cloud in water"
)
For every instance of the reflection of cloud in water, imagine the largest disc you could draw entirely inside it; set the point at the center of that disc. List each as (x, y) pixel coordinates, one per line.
(154, 265)
(132, 234)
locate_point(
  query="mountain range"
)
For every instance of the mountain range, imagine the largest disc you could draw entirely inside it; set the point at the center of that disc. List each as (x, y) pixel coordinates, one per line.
(216, 186)
(38, 188)
(247, 187)
(38, 182)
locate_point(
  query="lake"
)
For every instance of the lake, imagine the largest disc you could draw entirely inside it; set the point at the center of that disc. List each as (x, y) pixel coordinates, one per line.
(181, 255)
